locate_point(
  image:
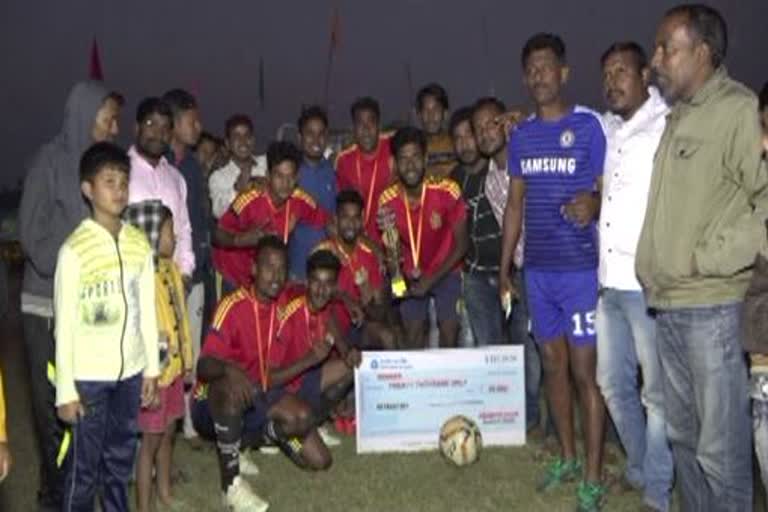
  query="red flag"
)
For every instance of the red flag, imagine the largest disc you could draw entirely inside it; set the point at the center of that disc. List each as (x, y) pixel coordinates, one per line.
(335, 29)
(95, 72)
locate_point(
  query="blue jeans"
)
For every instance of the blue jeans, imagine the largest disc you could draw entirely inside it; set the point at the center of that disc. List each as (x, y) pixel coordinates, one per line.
(760, 422)
(626, 343)
(489, 327)
(706, 395)
(103, 445)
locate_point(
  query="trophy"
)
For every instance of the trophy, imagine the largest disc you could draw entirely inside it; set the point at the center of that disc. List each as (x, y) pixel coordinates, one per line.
(391, 239)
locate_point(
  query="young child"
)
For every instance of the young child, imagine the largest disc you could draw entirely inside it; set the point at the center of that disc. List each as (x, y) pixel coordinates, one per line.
(106, 335)
(157, 422)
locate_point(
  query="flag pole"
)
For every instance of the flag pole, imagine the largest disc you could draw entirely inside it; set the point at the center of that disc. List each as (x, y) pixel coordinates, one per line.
(262, 93)
(328, 65)
(334, 41)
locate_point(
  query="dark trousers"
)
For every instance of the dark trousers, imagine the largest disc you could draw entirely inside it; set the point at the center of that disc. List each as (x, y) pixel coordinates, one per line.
(489, 327)
(706, 392)
(103, 445)
(40, 349)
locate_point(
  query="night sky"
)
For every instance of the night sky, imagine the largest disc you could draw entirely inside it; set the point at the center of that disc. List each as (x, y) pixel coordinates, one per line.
(213, 48)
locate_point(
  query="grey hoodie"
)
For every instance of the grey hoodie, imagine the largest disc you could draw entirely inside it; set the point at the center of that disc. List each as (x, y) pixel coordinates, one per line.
(52, 205)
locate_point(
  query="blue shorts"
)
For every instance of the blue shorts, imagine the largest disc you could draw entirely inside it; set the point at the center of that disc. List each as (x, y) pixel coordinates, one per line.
(254, 418)
(562, 304)
(354, 336)
(311, 389)
(446, 293)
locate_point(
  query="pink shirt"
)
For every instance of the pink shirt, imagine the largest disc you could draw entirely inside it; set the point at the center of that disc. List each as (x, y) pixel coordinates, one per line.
(165, 183)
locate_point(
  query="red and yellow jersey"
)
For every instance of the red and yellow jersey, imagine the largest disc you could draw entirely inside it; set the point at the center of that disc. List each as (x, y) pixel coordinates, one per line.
(299, 328)
(243, 332)
(255, 209)
(369, 175)
(427, 240)
(359, 267)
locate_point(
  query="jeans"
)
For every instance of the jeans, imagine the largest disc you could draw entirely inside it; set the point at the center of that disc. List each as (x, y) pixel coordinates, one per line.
(195, 309)
(41, 351)
(489, 327)
(706, 395)
(466, 340)
(626, 343)
(760, 423)
(103, 445)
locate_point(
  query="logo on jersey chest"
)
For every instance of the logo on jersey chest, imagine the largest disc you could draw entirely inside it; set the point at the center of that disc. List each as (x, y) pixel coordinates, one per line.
(548, 165)
(567, 138)
(435, 220)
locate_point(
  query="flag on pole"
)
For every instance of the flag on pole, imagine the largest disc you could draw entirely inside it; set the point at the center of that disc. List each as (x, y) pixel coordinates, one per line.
(335, 29)
(262, 96)
(95, 72)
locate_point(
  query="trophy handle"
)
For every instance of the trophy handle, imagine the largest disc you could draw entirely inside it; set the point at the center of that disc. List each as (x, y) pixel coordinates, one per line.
(391, 241)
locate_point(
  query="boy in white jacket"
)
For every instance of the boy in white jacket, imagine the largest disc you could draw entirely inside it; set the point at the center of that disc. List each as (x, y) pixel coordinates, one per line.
(106, 335)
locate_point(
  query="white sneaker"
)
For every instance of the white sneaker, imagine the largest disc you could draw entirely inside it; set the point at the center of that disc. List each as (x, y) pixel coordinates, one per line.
(328, 438)
(269, 449)
(241, 498)
(247, 466)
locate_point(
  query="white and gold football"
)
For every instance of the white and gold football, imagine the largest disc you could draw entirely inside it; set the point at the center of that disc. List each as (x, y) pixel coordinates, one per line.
(460, 440)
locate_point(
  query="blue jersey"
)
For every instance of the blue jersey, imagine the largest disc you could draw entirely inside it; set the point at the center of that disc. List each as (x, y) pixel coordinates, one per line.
(320, 183)
(557, 160)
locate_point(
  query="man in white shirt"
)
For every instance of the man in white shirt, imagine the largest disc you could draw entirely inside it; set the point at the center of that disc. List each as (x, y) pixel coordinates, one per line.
(243, 166)
(626, 332)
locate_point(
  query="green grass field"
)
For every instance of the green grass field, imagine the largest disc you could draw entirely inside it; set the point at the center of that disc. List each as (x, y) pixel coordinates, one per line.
(502, 480)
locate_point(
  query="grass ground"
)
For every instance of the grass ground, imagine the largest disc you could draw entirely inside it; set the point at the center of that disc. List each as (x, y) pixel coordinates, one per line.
(502, 480)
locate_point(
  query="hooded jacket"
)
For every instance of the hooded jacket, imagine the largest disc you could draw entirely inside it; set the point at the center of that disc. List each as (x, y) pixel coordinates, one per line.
(52, 205)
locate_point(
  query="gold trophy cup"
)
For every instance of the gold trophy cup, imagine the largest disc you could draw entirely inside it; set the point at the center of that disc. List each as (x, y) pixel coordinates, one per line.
(391, 240)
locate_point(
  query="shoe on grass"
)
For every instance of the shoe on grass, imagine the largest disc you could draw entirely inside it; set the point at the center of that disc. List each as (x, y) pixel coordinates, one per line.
(247, 466)
(329, 439)
(590, 496)
(241, 498)
(559, 472)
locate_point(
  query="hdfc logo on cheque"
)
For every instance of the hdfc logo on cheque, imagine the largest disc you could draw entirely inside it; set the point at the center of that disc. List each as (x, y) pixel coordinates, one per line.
(386, 363)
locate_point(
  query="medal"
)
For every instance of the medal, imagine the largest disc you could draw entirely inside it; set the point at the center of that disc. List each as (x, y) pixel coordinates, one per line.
(415, 241)
(369, 201)
(263, 351)
(286, 227)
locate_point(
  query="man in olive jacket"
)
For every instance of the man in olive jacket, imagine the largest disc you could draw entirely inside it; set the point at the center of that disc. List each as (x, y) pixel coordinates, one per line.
(703, 228)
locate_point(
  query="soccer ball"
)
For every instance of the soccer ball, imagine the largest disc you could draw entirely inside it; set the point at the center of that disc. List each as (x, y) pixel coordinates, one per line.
(460, 440)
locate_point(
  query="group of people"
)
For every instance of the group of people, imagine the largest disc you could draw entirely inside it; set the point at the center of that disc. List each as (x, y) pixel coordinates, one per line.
(622, 243)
